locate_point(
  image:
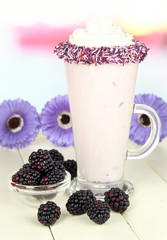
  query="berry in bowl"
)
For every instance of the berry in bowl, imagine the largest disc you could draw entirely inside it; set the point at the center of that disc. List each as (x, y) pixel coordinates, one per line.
(41, 179)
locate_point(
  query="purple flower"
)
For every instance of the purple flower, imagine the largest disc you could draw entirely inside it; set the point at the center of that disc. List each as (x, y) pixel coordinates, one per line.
(140, 123)
(56, 121)
(19, 123)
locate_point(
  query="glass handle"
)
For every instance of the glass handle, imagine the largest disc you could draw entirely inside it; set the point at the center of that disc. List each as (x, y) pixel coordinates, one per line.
(154, 137)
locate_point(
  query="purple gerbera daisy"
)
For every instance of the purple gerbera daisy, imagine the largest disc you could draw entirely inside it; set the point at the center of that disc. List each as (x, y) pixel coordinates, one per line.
(56, 121)
(19, 123)
(140, 123)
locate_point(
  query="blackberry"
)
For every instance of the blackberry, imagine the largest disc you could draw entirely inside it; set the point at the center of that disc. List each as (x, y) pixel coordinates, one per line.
(56, 155)
(27, 176)
(59, 165)
(41, 160)
(54, 176)
(48, 213)
(71, 167)
(77, 203)
(99, 212)
(117, 199)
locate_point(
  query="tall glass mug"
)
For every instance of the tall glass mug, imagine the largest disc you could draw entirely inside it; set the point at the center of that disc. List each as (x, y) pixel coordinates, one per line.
(101, 88)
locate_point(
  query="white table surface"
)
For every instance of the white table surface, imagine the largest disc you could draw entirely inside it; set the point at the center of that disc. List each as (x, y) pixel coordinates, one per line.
(145, 219)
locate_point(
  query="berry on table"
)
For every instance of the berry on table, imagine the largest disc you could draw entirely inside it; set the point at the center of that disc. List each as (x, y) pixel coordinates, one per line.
(117, 199)
(48, 213)
(77, 203)
(99, 211)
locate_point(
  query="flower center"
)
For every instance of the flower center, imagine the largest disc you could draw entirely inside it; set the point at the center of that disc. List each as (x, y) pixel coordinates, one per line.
(15, 123)
(64, 120)
(144, 120)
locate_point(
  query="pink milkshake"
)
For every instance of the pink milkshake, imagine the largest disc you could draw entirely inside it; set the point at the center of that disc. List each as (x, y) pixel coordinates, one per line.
(101, 103)
(101, 66)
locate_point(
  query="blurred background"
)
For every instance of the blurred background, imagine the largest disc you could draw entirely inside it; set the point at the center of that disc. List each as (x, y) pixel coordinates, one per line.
(29, 31)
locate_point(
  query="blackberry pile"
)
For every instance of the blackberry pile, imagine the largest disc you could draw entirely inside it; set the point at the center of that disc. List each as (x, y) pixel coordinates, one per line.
(71, 166)
(41, 169)
(77, 203)
(48, 213)
(99, 211)
(84, 201)
(48, 167)
(117, 199)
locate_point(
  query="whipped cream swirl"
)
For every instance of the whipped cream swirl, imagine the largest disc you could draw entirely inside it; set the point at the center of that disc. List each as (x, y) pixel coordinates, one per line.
(100, 31)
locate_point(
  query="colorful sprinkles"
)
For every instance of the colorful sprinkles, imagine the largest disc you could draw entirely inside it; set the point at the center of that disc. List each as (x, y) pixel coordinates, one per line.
(98, 56)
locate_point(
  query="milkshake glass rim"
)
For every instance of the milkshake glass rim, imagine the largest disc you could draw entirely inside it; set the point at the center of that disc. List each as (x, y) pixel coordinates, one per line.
(72, 53)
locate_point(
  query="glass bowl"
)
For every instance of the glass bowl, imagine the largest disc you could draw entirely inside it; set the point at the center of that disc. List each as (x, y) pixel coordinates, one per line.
(35, 195)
